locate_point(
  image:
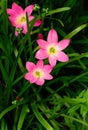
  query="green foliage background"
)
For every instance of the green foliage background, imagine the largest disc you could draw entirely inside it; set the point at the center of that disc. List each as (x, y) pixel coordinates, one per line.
(62, 103)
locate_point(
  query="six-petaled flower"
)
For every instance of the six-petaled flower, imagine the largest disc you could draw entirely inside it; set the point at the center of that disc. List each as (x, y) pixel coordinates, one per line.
(17, 17)
(38, 73)
(52, 49)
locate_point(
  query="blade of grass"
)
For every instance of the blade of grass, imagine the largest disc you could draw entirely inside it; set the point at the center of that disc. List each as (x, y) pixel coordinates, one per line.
(23, 114)
(75, 31)
(40, 118)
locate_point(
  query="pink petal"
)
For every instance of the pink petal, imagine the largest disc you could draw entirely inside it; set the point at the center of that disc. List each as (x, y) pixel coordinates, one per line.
(40, 82)
(24, 29)
(42, 43)
(16, 33)
(52, 61)
(11, 12)
(52, 36)
(62, 57)
(39, 64)
(30, 77)
(29, 9)
(18, 9)
(48, 77)
(63, 44)
(41, 54)
(26, 76)
(48, 68)
(12, 20)
(37, 23)
(30, 18)
(30, 66)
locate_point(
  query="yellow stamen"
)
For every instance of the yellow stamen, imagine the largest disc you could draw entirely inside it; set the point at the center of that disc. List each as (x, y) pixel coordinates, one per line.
(23, 19)
(52, 50)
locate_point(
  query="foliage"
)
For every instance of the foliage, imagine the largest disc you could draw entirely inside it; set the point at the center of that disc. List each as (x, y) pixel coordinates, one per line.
(61, 103)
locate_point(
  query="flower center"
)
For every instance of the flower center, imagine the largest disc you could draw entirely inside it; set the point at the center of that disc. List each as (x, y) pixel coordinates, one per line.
(38, 73)
(52, 50)
(23, 19)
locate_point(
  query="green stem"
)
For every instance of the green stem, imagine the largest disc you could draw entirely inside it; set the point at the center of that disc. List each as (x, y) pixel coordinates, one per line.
(19, 60)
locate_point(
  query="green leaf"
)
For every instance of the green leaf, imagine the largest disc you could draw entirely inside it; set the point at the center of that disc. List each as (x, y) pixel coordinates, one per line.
(75, 31)
(41, 118)
(24, 111)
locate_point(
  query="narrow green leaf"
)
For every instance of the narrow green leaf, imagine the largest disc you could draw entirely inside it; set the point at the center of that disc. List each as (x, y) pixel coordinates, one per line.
(41, 118)
(12, 107)
(75, 119)
(58, 10)
(75, 31)
(24, 111)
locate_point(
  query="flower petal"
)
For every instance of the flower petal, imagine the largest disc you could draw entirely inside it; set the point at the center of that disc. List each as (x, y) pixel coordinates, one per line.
(29, 9)
(12, 20)
(41, 54)
(62, 57)
(30, 66)
(18, 9)
(24, 29)
(40, 82)
(39, 64)
(52, 36)
(30, 18)
(16, 33)
(48, 68)
(52, 61)
(42, 43)
(26, 76)
(30, 77)
(63, 44)
(11, 12)
(48, 77)
(37, 23)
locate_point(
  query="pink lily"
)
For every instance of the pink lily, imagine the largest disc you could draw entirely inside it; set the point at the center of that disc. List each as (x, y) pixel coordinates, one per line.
(37, 73)
(17, 17)
(52, 49)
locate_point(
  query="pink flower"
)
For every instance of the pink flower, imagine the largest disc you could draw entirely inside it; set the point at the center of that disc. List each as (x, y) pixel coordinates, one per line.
(17, 17)
(38, 73)
(52, 49)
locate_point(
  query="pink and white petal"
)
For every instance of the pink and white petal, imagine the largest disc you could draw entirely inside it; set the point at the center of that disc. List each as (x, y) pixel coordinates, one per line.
(42, 43)
(62, 57)
(26, 76)
(37, 23)
(30, 66)
(63, 44)
(39, 64)
(52, 36)
(11, 12)
(12, 20)
(48, 77)
(18, 9)
(16, 33)
(24, 29)
(41, 54)
(47, 68)
(29, 9)
(30, 18)
(52, 61)
(40, 82)
(32, 78)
